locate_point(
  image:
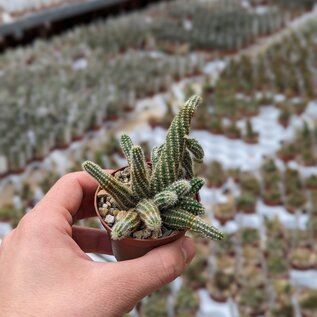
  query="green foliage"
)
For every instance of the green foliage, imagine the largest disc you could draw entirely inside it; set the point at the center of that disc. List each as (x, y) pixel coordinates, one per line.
(165, 199)
(6, 213)
(121, 193)
(186, 301)
(311, 182)
(309, 301)
(196, 184)
(180, 219)
(249, 236)
(159, 195)
(126, 146)
(249, 183)
(180, 188)
(217, 175)
(126, 225)
(166, 170)
(246, 202)
(139, 173)
(223, 280)
(149, 213)
(195, 148)
(155, 307)
(277, 265)
(191, 205)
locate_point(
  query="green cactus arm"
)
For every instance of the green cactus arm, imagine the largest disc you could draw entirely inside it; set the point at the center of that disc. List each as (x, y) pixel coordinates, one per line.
(195, 148)
(187, 165)
(150, 214)
(191, 205)
(179, 219)
(155, 155)
(126, 225)
(165, 199)
(196, 184)
(120, 193)
(126, 146)
(166, 170)
(181, 187)
(139, 173)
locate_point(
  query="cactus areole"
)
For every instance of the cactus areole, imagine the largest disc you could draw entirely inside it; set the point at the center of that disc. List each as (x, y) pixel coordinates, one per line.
(160, 194)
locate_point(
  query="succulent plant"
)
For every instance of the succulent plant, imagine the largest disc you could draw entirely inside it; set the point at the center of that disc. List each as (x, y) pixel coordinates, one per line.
(195, 275)
(155, 307)
(295, 200)
(216, 176)
(287, 152)
(249, 236)
(246, 202)
(284, 117)
(303, 258)
(281, 309)
(224, 212)
(186, 302)
(272, 195)
(277, 266)
(233, 131)
(251, 136)
(6, 213)
(308, 302)
(225, 246)
(252, 301)
(311, 182)
(163, 192)
(222, 285)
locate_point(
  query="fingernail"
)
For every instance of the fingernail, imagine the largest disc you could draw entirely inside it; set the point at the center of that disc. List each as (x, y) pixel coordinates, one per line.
(188, 249)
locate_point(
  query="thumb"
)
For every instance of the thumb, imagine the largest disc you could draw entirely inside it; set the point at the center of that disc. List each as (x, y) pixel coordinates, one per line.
(148, 273)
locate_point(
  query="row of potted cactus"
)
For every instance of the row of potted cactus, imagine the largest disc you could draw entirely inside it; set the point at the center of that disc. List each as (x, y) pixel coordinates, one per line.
(227, 26)
(133, 76)
(267, 72)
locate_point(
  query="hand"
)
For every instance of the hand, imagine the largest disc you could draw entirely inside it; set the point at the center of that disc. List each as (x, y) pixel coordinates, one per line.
(45, 272)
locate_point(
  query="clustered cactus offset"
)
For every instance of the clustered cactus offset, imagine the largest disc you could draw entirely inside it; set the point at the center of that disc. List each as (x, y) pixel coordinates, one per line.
(160, 193)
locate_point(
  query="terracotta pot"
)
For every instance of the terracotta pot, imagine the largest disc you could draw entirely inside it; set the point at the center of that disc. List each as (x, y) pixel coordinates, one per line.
(224, 219)
(219, 297)
(251, 141)
(130, 248)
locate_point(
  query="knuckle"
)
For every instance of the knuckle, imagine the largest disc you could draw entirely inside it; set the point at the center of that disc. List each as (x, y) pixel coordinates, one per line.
(172, 267)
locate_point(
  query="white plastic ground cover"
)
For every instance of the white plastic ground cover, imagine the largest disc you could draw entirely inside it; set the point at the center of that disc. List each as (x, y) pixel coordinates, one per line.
(237, 153)
(5, 228)
(209, 308)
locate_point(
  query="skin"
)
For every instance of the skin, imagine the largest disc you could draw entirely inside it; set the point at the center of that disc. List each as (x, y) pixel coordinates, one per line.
(44, 270)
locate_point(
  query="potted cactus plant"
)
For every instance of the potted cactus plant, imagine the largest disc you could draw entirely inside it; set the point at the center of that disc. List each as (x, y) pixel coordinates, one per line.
(224, 212)
(216, 176)
(246, 203)
(250, 136)
(252, 301)
(308, 302)
(186, 302)
(145, 205)
(295, 201)
(303, 258)
(195, 276)
(222, 286)
(287, 152)
(311, 182)
(277, 266)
